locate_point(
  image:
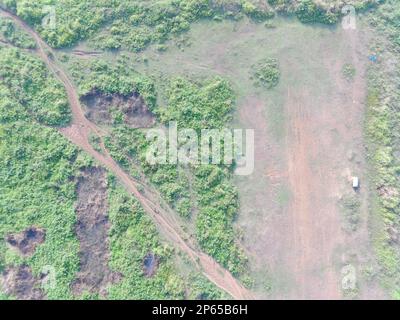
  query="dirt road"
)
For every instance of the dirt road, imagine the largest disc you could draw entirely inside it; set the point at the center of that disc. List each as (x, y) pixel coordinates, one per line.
(78, 133)
(321, 132)
(315, 222)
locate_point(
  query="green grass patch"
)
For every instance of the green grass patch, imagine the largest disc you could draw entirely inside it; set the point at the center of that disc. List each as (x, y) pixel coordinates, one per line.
(27, 86)
(266, 73)
(15, 35)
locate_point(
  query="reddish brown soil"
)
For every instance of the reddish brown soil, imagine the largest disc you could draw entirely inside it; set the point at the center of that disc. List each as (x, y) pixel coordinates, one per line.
(92, 232)
(150, 264)
(99, 106)
(313, 212)
(19, 282)
(26, 241)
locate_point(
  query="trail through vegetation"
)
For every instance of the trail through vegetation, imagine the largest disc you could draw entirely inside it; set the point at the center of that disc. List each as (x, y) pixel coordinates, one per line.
(79, 133)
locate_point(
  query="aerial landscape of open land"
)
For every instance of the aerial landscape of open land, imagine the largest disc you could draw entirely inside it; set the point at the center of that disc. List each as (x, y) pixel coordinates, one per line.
(304, 205)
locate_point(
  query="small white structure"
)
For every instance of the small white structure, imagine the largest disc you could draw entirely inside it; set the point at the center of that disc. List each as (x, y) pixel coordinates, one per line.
(356, 183)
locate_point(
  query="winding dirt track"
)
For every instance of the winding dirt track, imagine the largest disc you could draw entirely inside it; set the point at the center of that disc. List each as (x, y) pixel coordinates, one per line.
(78, 133)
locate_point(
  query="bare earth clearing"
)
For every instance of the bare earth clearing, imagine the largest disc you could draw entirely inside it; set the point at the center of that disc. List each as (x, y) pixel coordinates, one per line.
(92, 229)
(303, 240)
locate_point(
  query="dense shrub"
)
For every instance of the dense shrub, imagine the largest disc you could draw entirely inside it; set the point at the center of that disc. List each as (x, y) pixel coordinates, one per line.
(198, 106)
(218, 205)
(132, 237)
(129, 147)
(36, 168)
(34, 88)
(382, 135)
(111, 78)
(136, 24)
(266, 73)
(15, 35)
(309, 12)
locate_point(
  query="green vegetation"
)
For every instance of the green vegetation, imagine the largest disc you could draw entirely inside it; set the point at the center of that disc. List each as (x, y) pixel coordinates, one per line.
(201, 289)
(36, 189)
(126, 24)
(95, 142)
(385, 171)
(111, 78)
(38, 170)
(195, 105)
(132, 237)
(135, 24)
(38, 167)
(348, 71)
(129, 147)
(38, 96)
(218, 206)
(14, 35)
(382, 131)
(198, 106)
(314, 11)
(386, 19)
(266, 73)
(43, 171)
(310, 12)
(256, 13)
(75, 19)
(351, 206)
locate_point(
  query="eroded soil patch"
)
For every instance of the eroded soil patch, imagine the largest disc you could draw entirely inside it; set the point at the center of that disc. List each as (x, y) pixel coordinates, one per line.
(92, 231)
(26, 241)
(20, 283)
(150, 264)
(103, 108)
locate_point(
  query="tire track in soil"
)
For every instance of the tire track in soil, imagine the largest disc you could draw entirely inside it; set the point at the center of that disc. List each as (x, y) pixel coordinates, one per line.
(314, 220)
(315, 165)
(78, 133)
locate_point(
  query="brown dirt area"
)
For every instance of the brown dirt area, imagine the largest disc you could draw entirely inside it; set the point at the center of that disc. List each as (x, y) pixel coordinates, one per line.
(26, 241)
(99, 107)
(150, 264)
(300, 244)
(19, 282)
(92, 232)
